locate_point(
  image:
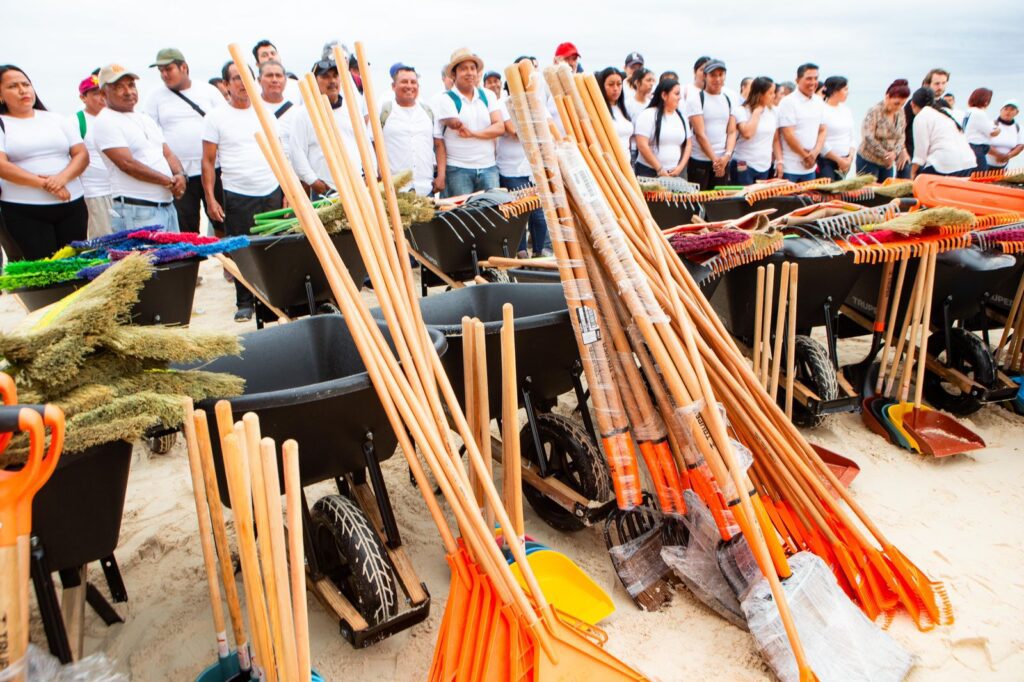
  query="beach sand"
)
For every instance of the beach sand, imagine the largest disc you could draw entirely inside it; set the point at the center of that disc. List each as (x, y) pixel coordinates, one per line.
(958, 518)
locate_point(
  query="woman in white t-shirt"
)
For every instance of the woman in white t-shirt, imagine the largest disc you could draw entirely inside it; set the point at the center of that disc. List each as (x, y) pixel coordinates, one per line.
(757, 123)
(41, 157)
(662, 137)
(838, 152)
(1008, 141)
(978, 125)
(610, 81)
(642, 83)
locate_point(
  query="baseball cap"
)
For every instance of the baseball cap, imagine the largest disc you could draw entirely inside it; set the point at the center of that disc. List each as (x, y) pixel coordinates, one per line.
(634, 58)
(88, 83)
(1012, 103)
(566, 50)
(713, 65)
(167, 56)
(400, 66)
(492, 74)
(111, 73)
(524, 56)
(324, 65)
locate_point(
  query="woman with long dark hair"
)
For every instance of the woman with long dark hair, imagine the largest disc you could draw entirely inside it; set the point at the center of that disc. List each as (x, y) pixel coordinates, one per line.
(838, 153)
(882, 150)
(662, 137)
(940, 147)
(610, 81)
(757, 124)
(41, 157)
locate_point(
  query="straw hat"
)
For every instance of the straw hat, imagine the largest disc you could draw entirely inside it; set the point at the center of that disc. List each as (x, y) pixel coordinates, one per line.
(463, 54)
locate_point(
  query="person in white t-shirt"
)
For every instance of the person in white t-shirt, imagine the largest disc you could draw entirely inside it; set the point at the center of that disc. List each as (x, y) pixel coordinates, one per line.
(468, 120)
(610, 81)
(692, 90)
(179, 109)
(1008, 141)
(447, 83)
(96, 178)
(641, 85)
(265, 51)
(757, 126)
(801, 127)
(514, 173)
(633, 61)
(838, 152)
(940, 147)
(250, 187)
(958, 114)
(145, 175)
(273, 84)
(305, 152)
(662, 139)
(408, 128)
(712, 116)
(41, 159)
(979, 126)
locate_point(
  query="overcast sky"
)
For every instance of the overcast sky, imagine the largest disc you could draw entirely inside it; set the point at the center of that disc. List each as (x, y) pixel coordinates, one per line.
(869, 41)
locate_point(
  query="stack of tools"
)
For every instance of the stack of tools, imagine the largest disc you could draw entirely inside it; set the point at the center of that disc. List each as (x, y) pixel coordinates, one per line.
(723, 245)
(491, 628)
(658, 361)
(768, 358)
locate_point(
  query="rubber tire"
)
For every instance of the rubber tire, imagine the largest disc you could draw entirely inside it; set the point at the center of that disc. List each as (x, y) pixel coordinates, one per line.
(970, 356)
(814, 369)
(328, 308)
(352, 556)
(161, 445)
(588, 474)
(495, 275)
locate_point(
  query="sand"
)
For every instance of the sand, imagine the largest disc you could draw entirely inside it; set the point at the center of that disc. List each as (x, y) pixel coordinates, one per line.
(959, 518)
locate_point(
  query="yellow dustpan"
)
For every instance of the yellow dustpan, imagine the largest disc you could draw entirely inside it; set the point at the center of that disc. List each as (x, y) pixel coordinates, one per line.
(895, 413)
(567, 587)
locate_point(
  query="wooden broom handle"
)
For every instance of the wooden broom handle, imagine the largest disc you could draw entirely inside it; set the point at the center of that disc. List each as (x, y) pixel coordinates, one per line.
(758, 318)
(780, 321)
(296, 554)
(791, 339)
(511, 457)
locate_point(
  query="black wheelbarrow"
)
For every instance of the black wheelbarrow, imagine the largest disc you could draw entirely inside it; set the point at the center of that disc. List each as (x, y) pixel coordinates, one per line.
(283, 271)
(564, 472)
(826, 276)
(305, 380)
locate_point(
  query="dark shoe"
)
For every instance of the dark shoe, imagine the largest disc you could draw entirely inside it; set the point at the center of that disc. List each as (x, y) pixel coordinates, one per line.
(243, 314)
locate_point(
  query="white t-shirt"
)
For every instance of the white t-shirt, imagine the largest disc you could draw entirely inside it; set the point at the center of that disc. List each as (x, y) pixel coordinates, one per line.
(145, 142)
(41, 145)
(757, 151)
(464, 152)
(716, 111)
(285, 122)
(633, 108)
(305, 152)
(669, 149)
(409, 140)
(181, 124)
(510, 155)
(623, 127)
(96, 178)
(1009, 137)
(804, 115)
(838, 130)
(940, 144)
(979, 126)
(244, 170)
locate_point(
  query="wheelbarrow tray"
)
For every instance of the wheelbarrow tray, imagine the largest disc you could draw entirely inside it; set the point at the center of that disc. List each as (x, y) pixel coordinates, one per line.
(77, 514)
(306, 381)
(545, 343)
(278, 267)
(451, 246)
(165, 298)
(823, 275)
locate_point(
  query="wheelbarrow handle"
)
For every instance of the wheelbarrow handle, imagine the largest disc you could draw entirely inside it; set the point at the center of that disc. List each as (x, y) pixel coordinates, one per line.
(9, 396)
(14, 485)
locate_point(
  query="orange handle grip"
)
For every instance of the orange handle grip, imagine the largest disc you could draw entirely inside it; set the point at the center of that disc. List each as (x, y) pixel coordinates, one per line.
(16, 484)
(625, 473)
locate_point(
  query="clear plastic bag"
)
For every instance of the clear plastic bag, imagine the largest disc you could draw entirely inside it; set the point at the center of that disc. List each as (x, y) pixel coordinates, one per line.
(42, 667)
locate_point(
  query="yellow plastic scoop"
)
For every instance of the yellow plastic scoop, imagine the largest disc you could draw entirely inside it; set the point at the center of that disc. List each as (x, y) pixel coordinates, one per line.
(567, 587)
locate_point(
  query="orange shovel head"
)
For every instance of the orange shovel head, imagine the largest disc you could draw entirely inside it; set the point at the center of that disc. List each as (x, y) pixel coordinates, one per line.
(456, 615)
(845, 469)
(577, 653)
(939, 435)
(980, 198)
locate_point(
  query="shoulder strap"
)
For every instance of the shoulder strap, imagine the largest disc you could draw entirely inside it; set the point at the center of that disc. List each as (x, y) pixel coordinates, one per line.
(686, 129)
(483, 94)
(283, 109)
(2, 126)
(456, 99)
(385, 111)
(728, 102)
(701, 101)
(189, 102)
(81, 123)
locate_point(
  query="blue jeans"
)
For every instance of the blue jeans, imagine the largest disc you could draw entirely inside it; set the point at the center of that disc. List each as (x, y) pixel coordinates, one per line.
(799, 177)
(459, 181)
(980, 152)
(537, 227)
(748, 176)
(880, 172)
(132, 217)
(930, 170)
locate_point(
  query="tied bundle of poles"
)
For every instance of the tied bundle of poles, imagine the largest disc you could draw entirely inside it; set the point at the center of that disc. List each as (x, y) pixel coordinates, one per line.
(642, 322)
(492, 628)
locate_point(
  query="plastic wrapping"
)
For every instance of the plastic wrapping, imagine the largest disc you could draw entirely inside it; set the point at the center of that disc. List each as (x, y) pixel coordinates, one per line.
(42, 667)
(696, 563)
(738, 565)
(840, 642)
(639, 565)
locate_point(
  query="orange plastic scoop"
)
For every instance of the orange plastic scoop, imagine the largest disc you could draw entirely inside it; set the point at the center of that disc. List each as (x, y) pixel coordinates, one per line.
(979, 198)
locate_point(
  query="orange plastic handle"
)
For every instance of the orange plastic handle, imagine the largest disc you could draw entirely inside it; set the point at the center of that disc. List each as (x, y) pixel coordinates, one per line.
(53, 421)
(15, 484)
(9, 394)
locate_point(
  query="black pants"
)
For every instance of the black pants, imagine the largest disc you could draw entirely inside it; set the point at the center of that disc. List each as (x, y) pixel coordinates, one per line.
(34, 231)
(703, 174)
(188, 205)
(239, 210)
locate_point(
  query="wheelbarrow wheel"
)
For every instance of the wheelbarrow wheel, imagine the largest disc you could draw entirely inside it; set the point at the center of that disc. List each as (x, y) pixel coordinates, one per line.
(572, 458)
(968, 355)
(495, 275)
(162, 444)
(352, 556)
(814, 369)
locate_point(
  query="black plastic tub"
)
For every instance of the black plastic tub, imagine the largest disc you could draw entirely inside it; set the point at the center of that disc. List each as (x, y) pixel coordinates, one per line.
(166, 298)
(77, 514)
(306, 381)
(279, 266)
(451, 242)
(546, 348)
(826, 276)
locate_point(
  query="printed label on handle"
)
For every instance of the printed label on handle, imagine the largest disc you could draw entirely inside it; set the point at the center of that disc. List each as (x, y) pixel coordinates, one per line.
(590, 330)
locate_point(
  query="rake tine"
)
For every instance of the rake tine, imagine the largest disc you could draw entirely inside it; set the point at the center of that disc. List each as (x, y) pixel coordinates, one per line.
(454, 214)
(444, 219)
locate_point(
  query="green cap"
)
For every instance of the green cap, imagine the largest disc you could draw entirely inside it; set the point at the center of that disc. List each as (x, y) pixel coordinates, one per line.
(167, 56)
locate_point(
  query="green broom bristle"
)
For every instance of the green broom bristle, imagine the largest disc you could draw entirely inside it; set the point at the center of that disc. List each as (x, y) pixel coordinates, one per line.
(942, 216)
(170, 344)
(896, 190)
(848, 184)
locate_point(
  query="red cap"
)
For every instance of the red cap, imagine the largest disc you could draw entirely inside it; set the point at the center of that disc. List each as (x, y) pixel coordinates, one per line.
(87, 84)
(567, 50)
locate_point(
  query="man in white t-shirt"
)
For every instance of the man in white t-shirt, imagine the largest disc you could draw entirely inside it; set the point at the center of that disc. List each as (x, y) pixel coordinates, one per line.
(265, 51)
(305, 152)
(712, 117)
(468, 120)
(273, 84)
(229, 133)
(801, 127)
(95, 178)
(179, 108)
(145, 175)
(408, 128)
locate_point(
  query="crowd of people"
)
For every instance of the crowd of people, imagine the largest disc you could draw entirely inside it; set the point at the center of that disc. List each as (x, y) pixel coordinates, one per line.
(123, 163)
